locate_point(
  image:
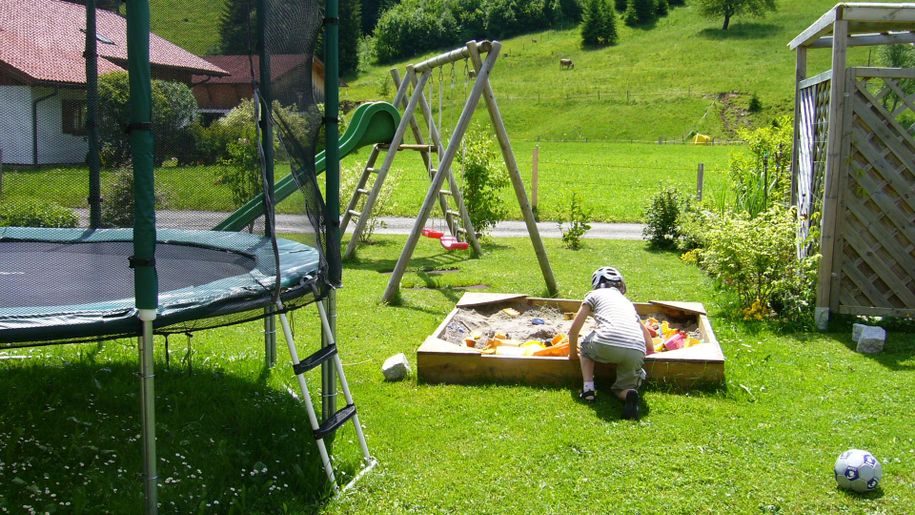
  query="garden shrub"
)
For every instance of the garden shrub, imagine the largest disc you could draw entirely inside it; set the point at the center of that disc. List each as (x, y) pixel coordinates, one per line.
(174, 112)
(29, 212)
(661, 218)
(756, 258)
(117, 208)
(574, 222)
(482, 180)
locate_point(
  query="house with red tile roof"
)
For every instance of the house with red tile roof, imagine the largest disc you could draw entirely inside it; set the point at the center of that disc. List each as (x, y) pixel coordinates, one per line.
(217, 96)
(43, 76)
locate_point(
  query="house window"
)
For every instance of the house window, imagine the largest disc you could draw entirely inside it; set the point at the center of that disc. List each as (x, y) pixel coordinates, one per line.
(74, 117)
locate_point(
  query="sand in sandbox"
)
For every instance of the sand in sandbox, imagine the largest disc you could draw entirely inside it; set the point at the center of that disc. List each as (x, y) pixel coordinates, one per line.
(523, 325)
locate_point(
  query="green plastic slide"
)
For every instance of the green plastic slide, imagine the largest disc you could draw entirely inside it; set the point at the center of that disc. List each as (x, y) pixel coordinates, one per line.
(372, 123)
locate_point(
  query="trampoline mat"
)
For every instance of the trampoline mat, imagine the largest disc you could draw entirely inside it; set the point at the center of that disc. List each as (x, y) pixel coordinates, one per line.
(43, 274)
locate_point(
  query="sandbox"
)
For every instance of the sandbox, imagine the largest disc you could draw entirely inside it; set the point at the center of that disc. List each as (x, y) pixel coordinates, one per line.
(444, 357)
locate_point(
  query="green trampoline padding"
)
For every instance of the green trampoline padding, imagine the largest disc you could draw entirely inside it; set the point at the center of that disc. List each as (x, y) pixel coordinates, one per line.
(75, 284)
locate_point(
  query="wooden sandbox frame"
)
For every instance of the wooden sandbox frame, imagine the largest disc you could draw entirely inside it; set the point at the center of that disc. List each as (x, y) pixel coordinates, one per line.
(440, 361)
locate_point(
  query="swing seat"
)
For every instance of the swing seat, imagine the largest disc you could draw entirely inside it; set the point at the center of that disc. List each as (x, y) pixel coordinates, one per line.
(430, 232)
(450, 243)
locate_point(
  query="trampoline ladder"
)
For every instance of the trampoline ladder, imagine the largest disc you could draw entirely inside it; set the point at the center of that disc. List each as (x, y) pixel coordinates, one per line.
(336, 420)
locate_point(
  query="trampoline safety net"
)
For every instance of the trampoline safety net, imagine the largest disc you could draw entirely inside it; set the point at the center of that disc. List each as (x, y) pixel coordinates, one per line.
(66, 202)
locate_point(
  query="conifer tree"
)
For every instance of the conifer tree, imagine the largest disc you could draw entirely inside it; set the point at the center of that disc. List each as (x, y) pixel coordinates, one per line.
(640, 12)
(350, 29)
(591, 24)
(608, 32)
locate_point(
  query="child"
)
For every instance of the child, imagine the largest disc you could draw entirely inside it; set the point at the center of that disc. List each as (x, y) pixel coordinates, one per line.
(619, 338)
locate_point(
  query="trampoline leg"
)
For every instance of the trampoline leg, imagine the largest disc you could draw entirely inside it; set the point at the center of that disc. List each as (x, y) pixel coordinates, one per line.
(148, 395)
(269, 337)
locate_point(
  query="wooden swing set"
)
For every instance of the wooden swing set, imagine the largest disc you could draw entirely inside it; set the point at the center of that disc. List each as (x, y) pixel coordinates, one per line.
(461, 234)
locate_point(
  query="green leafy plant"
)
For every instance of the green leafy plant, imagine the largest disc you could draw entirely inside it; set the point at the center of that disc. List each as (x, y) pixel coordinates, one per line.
(755, 104)
(482, 180)
(661, 218)
(117, 207)
(349, 181)
(30, 212)
(761, 176)
(756, 258)
(574, 222)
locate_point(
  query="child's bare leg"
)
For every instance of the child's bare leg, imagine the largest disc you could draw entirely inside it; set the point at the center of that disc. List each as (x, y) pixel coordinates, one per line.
(587, 369)
(623, 393)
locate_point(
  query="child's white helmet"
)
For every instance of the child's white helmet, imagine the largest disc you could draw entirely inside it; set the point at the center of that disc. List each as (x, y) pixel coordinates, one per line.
(608, 277)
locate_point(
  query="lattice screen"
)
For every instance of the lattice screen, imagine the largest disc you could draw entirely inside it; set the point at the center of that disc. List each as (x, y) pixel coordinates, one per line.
(813, 136)
(877, 216)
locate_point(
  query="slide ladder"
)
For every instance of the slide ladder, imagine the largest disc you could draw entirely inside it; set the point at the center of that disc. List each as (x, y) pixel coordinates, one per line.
(335, 420)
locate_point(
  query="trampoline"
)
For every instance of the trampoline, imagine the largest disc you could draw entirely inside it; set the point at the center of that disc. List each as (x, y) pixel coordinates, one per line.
(69, 285)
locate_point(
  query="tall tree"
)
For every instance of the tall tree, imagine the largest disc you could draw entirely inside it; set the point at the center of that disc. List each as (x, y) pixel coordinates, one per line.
(350, 30)
(640, 12)
(236, 27)
(371, 11)
(608, 27)
(620, 5)
(591, 24)
(598, 27)
(730, 8)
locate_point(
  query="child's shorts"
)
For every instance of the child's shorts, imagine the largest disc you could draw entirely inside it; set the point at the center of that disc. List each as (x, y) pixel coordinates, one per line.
(629, 373)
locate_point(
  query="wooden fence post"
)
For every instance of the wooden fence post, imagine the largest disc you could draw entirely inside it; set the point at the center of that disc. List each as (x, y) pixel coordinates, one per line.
(535, 177)
(699, 178)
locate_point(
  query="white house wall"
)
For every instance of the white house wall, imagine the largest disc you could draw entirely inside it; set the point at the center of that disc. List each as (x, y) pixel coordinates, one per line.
(55, 147)
(16, 124)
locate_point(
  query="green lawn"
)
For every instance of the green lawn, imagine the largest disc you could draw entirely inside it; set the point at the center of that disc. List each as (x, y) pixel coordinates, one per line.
(615, 180)
(765, 441)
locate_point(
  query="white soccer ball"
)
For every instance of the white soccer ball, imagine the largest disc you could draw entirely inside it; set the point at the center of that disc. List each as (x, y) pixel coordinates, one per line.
(858, 470)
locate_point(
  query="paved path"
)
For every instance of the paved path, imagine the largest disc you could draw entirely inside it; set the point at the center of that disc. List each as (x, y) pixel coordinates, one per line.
(393, 225)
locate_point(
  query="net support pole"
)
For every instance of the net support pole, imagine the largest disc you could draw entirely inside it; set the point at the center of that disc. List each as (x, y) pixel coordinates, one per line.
(266, 127)
(95, 189)
(332, 193)
(144, 229)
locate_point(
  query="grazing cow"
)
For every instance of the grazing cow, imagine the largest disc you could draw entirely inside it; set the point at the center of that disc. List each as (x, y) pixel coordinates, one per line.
(566, 64)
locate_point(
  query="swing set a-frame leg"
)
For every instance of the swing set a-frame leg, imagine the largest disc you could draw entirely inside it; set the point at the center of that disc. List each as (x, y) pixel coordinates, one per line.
(447, 158)
(517, 182)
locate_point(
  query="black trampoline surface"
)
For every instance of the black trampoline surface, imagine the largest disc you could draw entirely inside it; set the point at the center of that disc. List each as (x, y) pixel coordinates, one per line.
(77, 284)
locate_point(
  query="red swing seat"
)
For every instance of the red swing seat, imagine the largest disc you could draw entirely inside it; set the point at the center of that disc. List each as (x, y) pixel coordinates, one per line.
(431, 232)
(451, 243)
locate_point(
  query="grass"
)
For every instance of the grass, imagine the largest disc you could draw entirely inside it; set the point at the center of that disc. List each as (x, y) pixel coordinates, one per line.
(194, 26)
(764, 441)
(615, 179)
(659, 82)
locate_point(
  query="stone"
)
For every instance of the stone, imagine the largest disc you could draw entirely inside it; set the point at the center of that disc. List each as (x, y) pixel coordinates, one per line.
(871, 340)
(396, 368)
(856, 331)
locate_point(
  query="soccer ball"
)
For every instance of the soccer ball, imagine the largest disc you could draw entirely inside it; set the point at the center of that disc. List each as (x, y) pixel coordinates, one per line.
(858, 470)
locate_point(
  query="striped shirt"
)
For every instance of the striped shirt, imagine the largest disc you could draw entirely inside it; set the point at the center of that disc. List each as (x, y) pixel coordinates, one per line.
(617, 322)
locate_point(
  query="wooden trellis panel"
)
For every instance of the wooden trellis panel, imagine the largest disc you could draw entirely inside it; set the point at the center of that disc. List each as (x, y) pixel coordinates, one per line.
(874, 257)
(813, 131)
